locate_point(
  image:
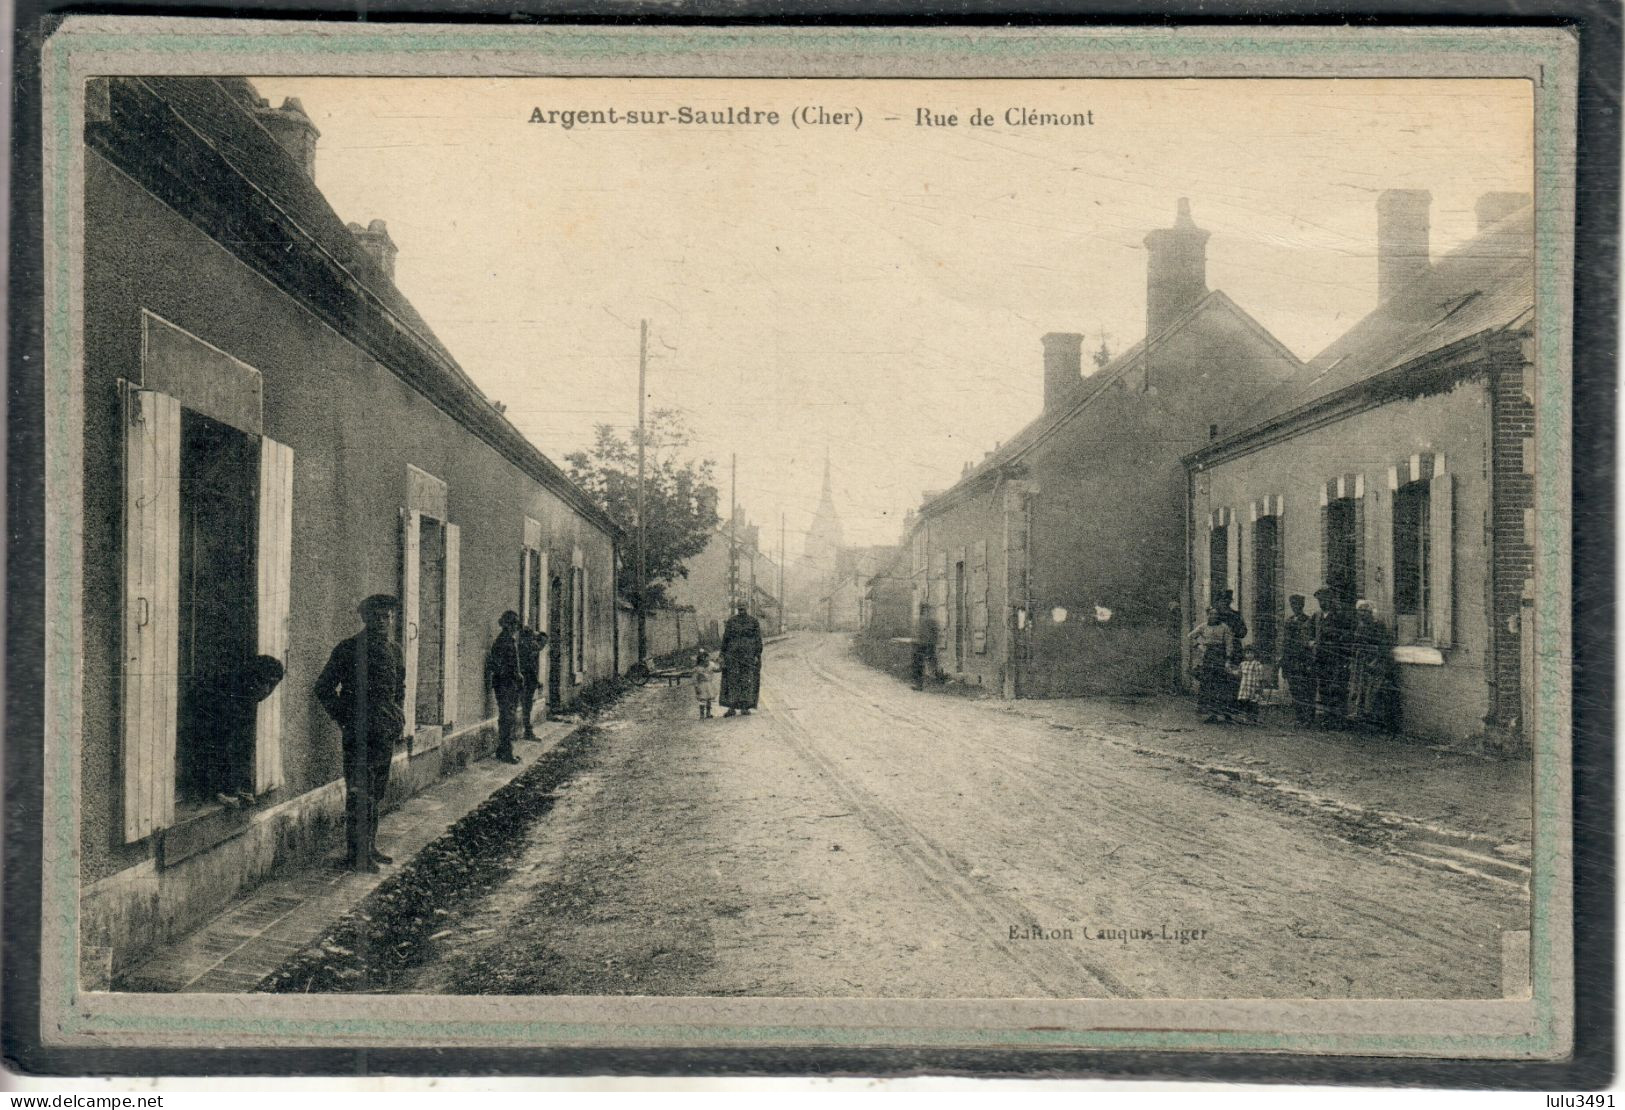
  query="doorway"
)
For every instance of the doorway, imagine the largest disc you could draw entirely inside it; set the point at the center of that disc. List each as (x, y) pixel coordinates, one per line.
(556, 645)
(959, 616)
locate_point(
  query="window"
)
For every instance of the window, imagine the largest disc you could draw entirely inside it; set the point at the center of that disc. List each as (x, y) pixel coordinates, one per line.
(219, 480)
(208, 509)
(1343, 550)
(1424, 586)
(530, 570)
(1412, 561)
(1218, 563)
(1266, 584)
(431, 566)
(533, 602)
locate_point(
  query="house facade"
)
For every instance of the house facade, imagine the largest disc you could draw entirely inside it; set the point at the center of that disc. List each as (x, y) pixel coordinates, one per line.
(271, 434)
(841, 607)
(1400, 473)
(709, 592)
(1055, 565)
(888, 596)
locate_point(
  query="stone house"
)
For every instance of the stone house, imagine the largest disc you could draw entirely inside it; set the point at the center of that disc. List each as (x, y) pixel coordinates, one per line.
(1399, 472)
(1055, 565)
(270, 434)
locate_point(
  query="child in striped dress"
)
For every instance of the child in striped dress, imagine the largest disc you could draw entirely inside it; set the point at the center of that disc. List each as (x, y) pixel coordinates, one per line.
(1252, 685)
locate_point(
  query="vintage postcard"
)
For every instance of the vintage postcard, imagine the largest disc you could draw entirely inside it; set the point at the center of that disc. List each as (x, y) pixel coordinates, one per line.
(702, 537)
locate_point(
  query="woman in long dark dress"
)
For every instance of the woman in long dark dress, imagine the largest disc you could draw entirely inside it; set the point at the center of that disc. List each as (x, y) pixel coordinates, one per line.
(741, 662)
(1215, 685)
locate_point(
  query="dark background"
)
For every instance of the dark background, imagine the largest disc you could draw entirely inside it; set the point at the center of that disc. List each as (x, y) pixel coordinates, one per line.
(1597, 25)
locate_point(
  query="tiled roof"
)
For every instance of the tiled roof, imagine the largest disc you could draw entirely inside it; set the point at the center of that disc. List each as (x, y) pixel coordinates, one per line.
(198, 144)
(1487, 284)
(1092, 386)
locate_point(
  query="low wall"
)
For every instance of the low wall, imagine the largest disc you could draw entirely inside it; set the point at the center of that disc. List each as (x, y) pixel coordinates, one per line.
(885, 654)
(1080, 658)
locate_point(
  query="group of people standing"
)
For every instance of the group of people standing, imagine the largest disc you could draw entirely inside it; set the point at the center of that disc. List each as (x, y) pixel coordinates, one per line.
(1338, 665)
(363, 688)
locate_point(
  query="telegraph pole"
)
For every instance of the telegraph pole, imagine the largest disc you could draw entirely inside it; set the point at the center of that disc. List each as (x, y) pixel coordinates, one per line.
(643, 531)
(733, 526)
(781, 572)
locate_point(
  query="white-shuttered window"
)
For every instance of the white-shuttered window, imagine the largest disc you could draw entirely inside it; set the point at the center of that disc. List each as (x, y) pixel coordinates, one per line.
(535, 606)
(208, 555)
(431, 609)
(978, 613)
(578, 616)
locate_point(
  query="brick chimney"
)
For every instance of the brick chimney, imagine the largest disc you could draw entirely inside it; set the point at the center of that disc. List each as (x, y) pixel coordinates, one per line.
(1063, 367)
(1176, 271)
(375, 240)
(1402, 238)
(1492, 208)
(292, 129)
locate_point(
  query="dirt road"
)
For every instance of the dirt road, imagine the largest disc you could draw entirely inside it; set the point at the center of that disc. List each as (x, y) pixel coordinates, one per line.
(854, 837)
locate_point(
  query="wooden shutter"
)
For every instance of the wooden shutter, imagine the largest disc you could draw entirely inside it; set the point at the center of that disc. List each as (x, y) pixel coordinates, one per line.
(275, 581)
(578, 616)
(978, 597)
(152, 527)
(1441, 552)
(545, 623)
(524, 583)
(452, 632)
(586, 621)
(411, 527)
(532, 542)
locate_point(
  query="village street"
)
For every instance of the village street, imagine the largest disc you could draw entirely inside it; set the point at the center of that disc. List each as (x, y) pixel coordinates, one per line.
(855, 837)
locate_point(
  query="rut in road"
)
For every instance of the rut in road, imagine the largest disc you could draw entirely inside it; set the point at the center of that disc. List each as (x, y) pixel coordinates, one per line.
(1439, 916)
(946, 876)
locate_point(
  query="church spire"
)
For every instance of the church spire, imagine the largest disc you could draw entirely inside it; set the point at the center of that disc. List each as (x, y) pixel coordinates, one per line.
(824, 539)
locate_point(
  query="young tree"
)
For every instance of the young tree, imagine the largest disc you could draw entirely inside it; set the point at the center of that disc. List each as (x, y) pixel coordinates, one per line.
(680, 496)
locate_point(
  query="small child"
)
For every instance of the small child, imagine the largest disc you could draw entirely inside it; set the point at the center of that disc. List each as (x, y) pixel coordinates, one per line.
(703, 693)
(1252, 684)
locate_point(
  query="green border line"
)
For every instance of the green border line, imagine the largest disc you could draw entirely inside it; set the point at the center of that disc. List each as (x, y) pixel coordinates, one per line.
(559, 44)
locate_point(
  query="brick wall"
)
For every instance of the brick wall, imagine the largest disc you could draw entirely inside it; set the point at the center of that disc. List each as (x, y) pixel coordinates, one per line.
(1513, 557)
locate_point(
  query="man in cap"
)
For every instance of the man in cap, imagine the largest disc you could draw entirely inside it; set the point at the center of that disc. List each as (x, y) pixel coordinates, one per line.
(505, 672)
(363, 688)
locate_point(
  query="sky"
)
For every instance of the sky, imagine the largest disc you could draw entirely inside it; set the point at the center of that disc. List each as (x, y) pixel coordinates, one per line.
(875, 292)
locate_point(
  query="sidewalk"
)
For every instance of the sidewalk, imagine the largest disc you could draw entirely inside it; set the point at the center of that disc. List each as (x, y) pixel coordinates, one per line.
(1483, 798)
(254, 935)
